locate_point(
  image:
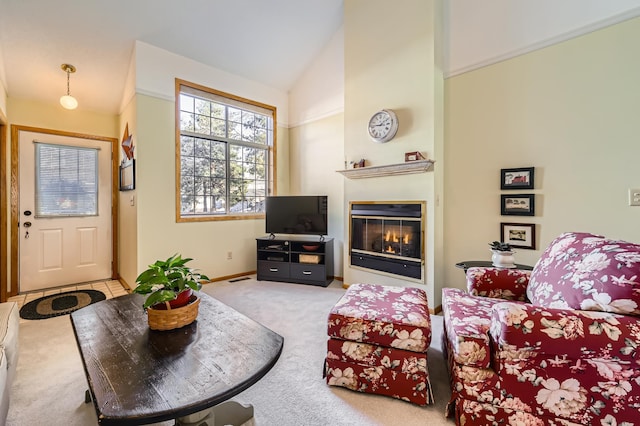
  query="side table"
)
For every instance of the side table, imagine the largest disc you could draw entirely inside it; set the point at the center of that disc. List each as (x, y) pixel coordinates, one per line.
(466, 264)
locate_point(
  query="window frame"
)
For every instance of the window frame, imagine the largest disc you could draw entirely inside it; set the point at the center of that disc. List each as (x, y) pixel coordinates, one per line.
(270, 164)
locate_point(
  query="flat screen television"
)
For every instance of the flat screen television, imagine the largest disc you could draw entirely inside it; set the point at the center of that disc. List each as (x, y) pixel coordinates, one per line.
(301, 214)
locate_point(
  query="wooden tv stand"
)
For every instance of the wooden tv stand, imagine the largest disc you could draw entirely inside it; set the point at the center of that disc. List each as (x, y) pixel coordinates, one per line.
(295, 259)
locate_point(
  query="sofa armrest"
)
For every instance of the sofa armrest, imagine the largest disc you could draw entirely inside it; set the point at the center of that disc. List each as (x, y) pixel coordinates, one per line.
(499, 283)
(523, 330)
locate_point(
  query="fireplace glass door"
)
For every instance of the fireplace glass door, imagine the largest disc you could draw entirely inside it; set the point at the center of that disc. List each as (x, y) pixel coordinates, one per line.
(387, 238)
(390, 237)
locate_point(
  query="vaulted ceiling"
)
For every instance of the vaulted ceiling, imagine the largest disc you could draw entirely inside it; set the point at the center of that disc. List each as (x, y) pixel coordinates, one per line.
(271, 42)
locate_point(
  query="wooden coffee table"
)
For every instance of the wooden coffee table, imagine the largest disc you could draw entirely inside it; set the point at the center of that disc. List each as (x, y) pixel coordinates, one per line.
(138, 376)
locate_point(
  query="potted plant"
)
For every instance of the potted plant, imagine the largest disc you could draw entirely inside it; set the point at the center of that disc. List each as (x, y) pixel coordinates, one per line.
(169, 286)
(502, 255)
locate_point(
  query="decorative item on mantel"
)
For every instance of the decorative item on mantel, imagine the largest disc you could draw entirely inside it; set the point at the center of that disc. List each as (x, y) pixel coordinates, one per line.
(413, 156)
(502, 256)
(170, 285)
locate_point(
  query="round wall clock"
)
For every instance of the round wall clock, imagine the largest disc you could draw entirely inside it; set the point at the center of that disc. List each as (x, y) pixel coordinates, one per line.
(383, 125)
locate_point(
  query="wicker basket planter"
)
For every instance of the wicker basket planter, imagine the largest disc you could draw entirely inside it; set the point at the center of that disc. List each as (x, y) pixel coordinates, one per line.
(172, 318)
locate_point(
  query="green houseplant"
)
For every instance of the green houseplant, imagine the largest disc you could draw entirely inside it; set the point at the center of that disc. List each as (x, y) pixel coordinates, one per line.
(168, 280)
(500, 246)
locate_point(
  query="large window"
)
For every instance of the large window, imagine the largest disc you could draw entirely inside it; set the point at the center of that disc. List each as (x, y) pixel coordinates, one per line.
(225, 154)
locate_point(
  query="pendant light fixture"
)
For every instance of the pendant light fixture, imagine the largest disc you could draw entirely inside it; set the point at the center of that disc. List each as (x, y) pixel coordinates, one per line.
(68, 101)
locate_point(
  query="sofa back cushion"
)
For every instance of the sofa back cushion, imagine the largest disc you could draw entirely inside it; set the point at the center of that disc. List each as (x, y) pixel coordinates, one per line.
(588, 272)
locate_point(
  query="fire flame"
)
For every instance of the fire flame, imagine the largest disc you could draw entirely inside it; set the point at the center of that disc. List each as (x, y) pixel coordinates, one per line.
(393, 238)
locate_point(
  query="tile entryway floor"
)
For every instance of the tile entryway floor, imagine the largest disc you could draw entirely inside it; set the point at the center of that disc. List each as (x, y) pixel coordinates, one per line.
(111, 288)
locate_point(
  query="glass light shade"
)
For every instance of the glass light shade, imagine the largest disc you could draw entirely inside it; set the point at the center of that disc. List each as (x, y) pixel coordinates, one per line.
(68, 102)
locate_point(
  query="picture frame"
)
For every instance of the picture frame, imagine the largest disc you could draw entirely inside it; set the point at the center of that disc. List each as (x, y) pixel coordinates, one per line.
(519, 178)
(517, 205)
(128, 175)
(519, 235)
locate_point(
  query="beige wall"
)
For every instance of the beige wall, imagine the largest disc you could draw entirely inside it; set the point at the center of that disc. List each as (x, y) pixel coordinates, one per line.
(316, 152)
(570, 111)
(397, 70)
(52, 116)
(128, 206)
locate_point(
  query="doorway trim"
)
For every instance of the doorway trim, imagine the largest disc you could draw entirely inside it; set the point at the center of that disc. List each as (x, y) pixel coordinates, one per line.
(15, 214)
(3, 208)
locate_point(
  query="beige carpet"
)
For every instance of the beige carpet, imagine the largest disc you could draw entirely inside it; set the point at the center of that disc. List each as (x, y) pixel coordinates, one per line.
(50, 384)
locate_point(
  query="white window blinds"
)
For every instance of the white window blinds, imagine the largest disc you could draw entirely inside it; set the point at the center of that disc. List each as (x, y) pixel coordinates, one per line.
(66, 180)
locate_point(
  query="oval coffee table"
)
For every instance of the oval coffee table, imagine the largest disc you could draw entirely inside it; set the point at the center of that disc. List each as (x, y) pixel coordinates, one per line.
(138, 376)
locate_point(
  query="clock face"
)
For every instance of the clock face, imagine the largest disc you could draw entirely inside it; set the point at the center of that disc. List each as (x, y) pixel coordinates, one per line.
(383, 126)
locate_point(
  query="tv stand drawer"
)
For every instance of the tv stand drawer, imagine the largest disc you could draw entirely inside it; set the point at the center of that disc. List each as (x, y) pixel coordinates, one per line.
(308, 272)
(268, 269)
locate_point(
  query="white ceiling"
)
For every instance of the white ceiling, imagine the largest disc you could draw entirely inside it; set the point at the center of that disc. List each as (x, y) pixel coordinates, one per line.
(271, 42)
(267, 41)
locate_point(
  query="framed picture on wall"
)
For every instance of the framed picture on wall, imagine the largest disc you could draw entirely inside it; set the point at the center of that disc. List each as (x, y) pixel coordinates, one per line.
(517, 205)
(521, 178)
(520, 235)
(128, 175)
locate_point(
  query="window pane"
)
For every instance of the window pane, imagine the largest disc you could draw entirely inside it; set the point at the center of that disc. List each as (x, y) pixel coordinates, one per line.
(219, 187)
(260, 172)
(235, 115)
(186, 207)
(235, 153)
(186, 121)
(203, 124)
(201, 148)
(261, 136)
(219, 128)
(218, 169)
(261, 121)
(186, 103)
(218, 176)
(235, 131)
(218, 111)
(186, 145)
(203, 107)
(66, 181)
(235, 169)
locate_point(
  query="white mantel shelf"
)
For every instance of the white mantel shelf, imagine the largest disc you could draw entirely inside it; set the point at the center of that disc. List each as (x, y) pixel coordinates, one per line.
(410, 167)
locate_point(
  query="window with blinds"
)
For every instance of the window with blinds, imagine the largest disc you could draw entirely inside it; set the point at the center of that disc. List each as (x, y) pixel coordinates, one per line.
(66, 180)
(225, 153)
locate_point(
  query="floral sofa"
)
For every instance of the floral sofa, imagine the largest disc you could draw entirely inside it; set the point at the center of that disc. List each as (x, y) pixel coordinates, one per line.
(559, 345)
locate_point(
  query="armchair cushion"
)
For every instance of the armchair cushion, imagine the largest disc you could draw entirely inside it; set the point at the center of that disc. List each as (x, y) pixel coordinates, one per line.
(507, 284)
(522, 331)
(468, 320)
(588, 272)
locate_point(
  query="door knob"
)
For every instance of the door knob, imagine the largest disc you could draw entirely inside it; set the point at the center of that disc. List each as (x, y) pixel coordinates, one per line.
(27, 224)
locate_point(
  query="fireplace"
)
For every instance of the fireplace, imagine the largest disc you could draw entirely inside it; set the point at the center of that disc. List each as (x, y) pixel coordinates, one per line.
(387, 237)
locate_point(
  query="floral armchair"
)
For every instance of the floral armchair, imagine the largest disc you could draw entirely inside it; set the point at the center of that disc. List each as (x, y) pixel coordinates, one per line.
(562, 349)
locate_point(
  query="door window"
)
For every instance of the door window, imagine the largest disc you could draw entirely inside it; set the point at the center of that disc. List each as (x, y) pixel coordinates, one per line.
(66, 180)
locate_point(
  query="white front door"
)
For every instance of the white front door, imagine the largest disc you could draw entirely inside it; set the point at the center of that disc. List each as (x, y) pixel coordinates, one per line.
(65, 210)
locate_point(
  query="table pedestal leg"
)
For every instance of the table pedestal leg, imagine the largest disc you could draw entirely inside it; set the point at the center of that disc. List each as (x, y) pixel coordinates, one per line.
(227, 413)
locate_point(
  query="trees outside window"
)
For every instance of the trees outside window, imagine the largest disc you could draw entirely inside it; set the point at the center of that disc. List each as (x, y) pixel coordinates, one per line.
(225, 154)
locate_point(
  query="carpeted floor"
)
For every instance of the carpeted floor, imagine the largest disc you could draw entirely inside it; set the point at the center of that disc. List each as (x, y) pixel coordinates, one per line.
(50, 384)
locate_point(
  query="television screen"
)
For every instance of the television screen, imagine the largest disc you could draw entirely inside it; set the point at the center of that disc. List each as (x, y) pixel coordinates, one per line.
(302, 214)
